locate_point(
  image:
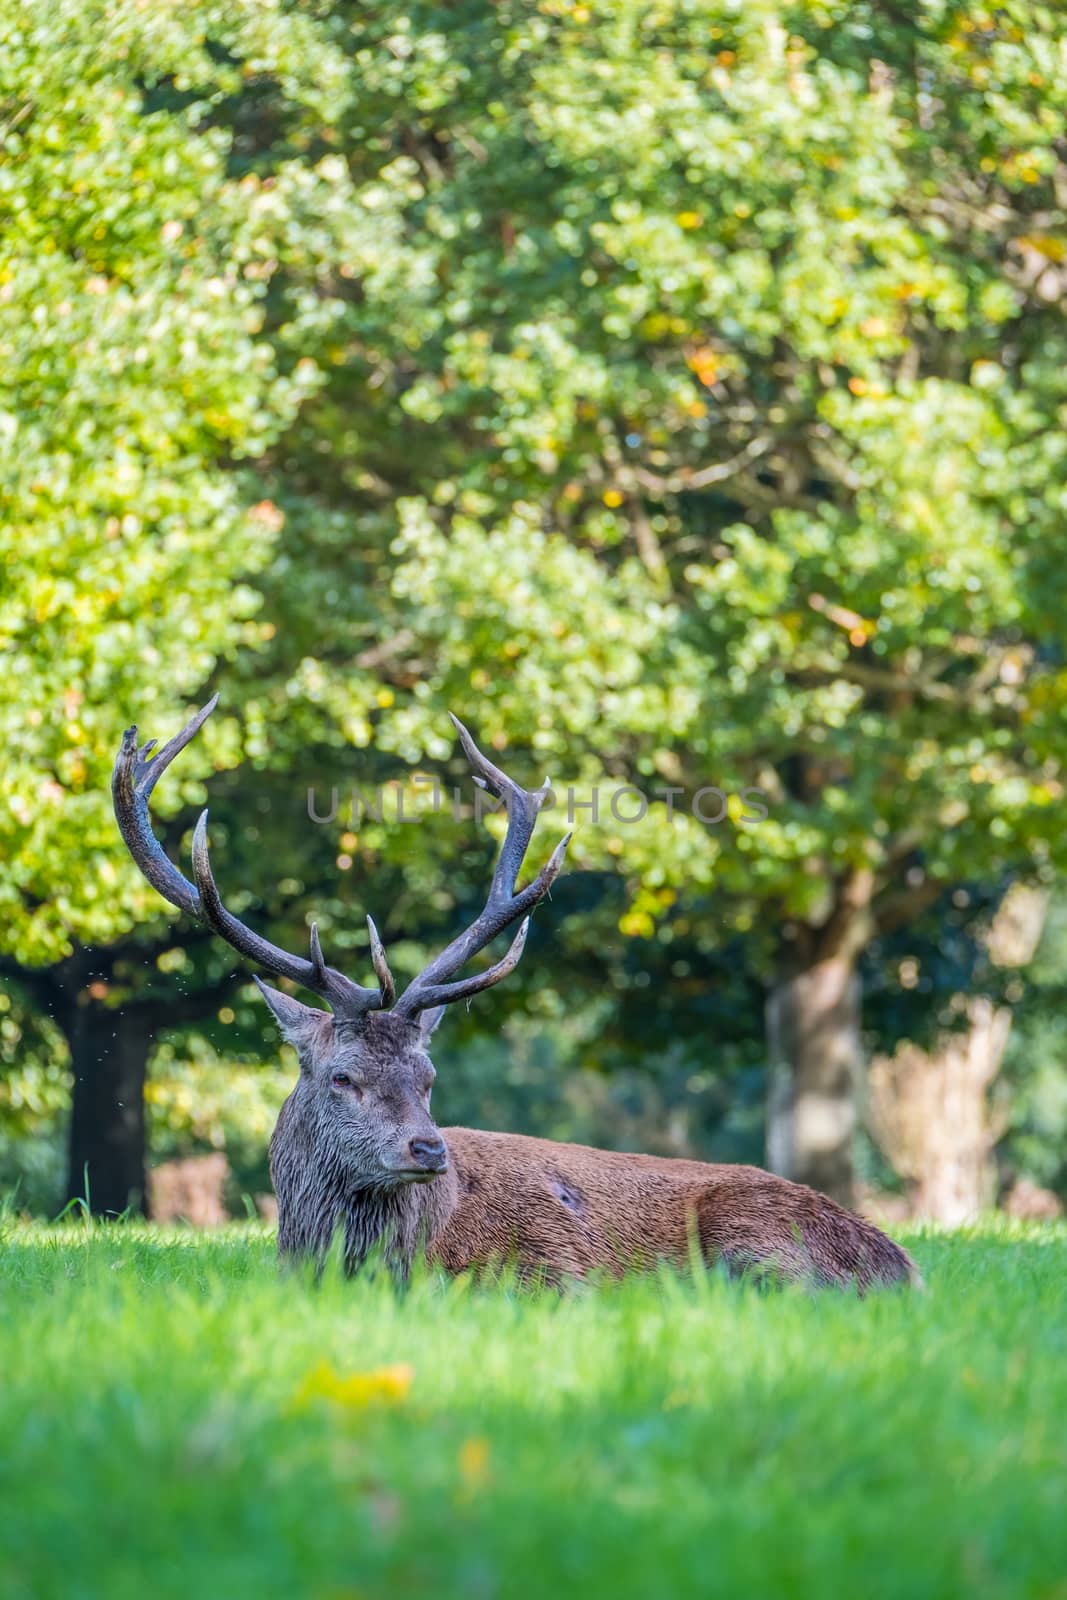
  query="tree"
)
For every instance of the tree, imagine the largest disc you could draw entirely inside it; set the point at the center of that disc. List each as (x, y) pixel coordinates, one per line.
(693, 412)
(135, 379)
(932, 1109)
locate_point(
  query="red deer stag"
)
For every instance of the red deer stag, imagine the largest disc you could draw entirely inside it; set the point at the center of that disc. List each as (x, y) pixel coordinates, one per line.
(356, 1145)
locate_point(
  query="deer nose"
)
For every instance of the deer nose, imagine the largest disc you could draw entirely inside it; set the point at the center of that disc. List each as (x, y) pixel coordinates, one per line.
(429, 1154)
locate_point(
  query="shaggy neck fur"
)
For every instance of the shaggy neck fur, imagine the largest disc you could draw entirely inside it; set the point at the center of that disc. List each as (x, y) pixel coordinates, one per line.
(318, 1193)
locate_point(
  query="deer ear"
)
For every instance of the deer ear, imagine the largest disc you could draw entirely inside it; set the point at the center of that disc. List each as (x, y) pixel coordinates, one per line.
(428, 1020)
(297, 1022)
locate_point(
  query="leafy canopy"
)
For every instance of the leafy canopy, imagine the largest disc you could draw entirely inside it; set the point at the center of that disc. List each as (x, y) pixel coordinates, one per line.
(134, 380)
(692, 415)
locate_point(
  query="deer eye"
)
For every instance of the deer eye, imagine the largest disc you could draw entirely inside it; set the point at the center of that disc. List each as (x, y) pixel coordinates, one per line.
(341, 1080)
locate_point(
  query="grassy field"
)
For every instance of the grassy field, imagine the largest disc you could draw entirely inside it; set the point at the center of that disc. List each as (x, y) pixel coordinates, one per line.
(178, 1420)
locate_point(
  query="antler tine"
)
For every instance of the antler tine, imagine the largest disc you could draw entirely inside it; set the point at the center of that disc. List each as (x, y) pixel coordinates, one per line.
(381, 965)
(503, 905)
(442, 994)
(132, 782)
(526, 802)
(316, 948)
(136, 773)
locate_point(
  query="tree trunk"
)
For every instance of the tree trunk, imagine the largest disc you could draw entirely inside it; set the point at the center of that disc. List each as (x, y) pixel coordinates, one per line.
(815, 1056)
(930, 1113)
(109, 1056)
(109, 1050)
(930, 1109)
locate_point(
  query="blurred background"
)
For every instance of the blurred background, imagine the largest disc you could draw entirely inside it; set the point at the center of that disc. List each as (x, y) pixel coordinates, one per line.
(674, 389)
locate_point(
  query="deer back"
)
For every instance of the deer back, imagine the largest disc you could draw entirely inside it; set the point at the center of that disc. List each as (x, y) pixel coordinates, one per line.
(567, 1210)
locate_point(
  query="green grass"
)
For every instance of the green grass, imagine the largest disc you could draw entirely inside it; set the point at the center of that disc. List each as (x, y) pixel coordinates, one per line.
(659, 1439)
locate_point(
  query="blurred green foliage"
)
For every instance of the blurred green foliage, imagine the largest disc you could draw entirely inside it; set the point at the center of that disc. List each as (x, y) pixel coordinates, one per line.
(676, 390)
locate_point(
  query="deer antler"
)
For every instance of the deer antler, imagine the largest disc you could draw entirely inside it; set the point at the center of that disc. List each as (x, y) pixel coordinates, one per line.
(503, 906)
(135, 776)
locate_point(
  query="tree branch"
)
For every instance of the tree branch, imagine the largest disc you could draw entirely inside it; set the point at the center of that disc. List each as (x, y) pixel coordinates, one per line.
(704, 477)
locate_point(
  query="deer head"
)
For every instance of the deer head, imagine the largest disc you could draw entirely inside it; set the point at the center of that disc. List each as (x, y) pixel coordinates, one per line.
(360, 1113)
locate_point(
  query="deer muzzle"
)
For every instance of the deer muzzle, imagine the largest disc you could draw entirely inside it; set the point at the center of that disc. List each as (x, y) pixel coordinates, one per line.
(428, 1156)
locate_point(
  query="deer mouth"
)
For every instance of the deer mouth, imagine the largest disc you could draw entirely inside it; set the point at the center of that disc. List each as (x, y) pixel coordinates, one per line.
(418, 1174)
(424, 1170)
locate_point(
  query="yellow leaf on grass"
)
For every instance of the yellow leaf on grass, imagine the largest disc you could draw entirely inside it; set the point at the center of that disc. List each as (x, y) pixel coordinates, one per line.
(474, 1462)
(354, 1391)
